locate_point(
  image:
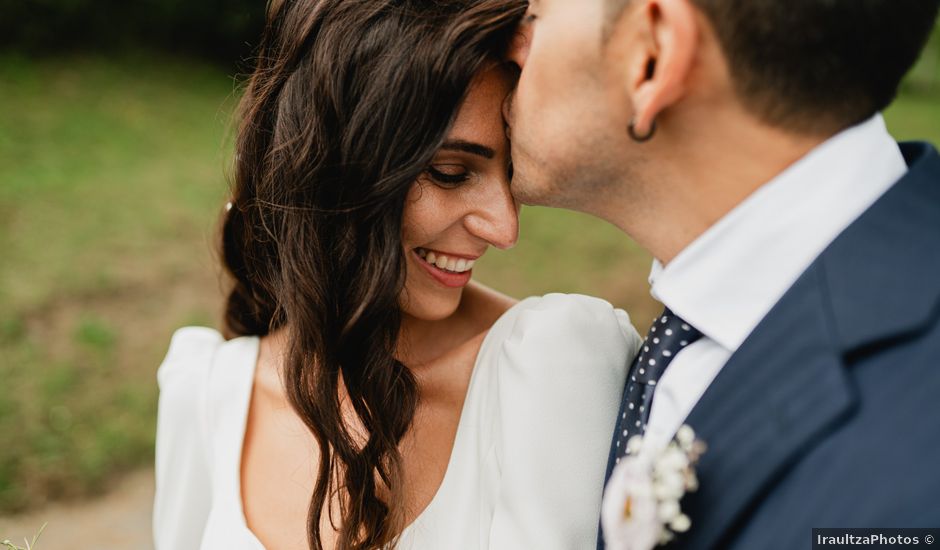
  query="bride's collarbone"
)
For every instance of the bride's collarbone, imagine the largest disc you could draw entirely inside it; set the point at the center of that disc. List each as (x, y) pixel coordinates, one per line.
(281, 455)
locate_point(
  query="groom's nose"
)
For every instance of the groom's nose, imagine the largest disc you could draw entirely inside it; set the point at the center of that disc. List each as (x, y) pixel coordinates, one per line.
(519, 46)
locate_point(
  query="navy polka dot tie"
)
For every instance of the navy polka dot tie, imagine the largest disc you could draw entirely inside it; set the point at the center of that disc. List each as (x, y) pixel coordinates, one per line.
(666, 338)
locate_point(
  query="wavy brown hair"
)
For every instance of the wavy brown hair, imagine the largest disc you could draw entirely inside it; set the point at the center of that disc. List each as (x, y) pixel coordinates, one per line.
(347, 104)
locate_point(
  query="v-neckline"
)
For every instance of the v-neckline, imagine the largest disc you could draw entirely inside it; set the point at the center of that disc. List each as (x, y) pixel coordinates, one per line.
(438, 494)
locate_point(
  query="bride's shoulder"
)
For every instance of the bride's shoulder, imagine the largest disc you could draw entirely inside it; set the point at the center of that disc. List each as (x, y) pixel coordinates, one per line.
(540, 328)
(183, 378)
(201, 364)
(569, 317)
(558, 364)
(189, 355)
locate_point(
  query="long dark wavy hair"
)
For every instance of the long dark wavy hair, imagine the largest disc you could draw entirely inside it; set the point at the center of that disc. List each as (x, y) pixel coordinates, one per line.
(348, 103)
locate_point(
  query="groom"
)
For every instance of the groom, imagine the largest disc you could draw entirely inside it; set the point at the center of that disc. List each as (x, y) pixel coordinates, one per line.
(797, 244)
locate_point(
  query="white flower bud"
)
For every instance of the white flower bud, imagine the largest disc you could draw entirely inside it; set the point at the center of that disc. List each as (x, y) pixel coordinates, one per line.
(668, 510)
(669, 486)
(673, 459)
(685, 436)
(680, 523)
(634, 444)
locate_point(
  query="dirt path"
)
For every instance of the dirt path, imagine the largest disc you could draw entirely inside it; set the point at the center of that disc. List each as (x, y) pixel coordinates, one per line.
(118, 521)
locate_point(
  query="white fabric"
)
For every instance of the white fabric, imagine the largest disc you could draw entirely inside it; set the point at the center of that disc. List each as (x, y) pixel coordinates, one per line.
(728, 279)
(529, 456)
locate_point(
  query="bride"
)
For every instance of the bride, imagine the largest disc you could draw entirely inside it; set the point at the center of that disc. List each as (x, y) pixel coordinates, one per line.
(369, 394)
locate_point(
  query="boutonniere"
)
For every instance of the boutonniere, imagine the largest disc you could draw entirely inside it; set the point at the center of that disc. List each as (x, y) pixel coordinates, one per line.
(641, 502)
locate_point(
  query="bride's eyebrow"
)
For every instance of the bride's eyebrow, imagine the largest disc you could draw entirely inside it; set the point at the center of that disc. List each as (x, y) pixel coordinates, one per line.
(469, 147)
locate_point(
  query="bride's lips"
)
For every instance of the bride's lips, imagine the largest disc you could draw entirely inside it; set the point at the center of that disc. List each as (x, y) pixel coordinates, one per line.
(448, 278)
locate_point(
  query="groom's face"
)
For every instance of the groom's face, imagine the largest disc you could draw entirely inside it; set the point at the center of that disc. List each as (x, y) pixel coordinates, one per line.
(564, 120)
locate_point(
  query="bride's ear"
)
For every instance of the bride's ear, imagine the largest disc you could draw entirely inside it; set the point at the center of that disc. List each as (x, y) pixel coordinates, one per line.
(657, 41)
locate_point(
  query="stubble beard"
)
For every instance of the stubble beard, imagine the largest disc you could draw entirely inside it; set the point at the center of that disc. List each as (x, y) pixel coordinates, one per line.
(589, 182)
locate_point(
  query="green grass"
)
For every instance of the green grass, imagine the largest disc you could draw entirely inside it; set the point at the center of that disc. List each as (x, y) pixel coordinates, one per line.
(114, 158)
(111, 179)
(110, 174)
(30, 544)
(915, 115)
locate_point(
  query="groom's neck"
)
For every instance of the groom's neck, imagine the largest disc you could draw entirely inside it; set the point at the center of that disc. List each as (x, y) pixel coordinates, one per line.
(696, 173)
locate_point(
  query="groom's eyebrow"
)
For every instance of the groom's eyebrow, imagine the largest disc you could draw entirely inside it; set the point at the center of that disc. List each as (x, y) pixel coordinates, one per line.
(469, 147)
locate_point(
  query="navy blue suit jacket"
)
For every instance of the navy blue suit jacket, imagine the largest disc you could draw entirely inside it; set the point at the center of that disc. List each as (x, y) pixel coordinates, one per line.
(829, 414)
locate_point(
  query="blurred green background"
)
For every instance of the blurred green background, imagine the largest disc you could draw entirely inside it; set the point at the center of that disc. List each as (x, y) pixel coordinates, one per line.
(112, 176)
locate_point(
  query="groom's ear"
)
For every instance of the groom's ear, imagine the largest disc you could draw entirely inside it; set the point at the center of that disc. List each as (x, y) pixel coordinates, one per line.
(657, 41)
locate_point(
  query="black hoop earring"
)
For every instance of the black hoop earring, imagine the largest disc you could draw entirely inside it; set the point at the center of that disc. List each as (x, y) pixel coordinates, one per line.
(631, 129)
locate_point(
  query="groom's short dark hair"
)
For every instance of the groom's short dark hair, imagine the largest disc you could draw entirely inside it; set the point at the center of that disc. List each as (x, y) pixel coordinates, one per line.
(817, 65)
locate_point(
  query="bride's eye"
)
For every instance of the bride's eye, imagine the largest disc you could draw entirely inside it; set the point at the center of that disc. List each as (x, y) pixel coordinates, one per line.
(448, 176)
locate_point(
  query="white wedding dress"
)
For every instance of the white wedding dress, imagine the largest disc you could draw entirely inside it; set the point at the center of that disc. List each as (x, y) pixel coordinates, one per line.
(527, 467)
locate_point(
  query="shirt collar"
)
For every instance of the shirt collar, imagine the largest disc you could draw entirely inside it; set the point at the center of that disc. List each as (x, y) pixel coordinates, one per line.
(730, 277)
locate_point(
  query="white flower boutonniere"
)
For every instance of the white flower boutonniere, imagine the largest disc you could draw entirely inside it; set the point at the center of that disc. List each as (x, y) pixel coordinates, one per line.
(641, 502)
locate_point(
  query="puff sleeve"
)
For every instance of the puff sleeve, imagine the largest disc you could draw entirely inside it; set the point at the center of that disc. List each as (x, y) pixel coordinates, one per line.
(561, 372)
(183, 488)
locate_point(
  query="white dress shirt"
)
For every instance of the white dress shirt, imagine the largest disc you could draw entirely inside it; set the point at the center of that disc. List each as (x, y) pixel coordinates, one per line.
(728, 279)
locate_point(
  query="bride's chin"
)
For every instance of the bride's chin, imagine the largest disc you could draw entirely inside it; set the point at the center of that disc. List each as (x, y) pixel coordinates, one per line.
(430, 308)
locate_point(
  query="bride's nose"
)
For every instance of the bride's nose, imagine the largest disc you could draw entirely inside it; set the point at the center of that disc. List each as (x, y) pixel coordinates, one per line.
(495, 217)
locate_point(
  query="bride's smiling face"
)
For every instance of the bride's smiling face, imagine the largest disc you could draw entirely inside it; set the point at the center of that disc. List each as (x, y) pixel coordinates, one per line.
(461, 205)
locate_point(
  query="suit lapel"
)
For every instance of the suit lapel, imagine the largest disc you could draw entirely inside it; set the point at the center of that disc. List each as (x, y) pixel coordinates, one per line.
(784, 389)
(881, 275)
(787, 387)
